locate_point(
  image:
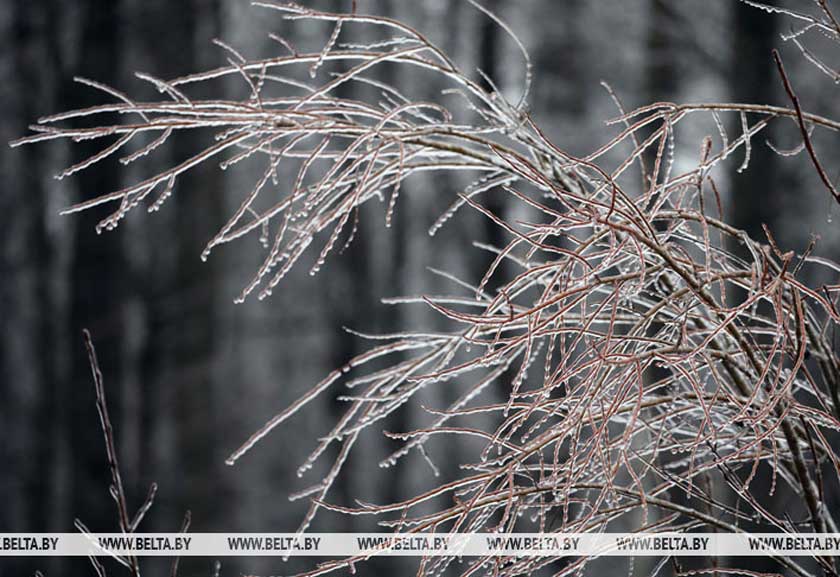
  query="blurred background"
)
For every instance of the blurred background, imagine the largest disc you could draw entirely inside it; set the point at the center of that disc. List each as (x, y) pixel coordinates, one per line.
(189, 375)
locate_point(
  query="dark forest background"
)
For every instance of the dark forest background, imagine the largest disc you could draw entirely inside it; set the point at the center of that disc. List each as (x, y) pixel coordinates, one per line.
(189, 374)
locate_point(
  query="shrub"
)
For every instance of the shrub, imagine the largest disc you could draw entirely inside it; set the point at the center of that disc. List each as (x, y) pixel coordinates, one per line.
(656, 357)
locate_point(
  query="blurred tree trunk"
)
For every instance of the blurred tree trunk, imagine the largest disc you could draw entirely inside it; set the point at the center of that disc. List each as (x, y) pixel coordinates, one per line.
(198, 208)
(559, 56)
(98, 276)
(149, 47)
(661, 84)
(754, 80)
(494, 200)
(753, 197)
(30, 356)
(351, 303)
(661, 68)
(177, 293)
(662, 71)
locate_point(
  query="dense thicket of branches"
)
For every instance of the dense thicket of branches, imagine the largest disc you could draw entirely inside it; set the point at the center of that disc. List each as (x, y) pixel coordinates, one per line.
(661, 368)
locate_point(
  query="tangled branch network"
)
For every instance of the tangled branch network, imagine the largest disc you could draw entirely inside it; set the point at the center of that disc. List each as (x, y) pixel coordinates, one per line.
(658, 360)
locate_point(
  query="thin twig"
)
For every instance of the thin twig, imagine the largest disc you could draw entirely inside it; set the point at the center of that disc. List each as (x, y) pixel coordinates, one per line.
(110, 445)
(803, 128)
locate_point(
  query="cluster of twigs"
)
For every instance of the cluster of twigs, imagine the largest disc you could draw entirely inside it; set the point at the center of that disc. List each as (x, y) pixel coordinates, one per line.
(127, 524)
(651, 351)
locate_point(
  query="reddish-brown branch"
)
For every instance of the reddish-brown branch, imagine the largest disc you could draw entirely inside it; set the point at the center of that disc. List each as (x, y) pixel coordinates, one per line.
(803, 128)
